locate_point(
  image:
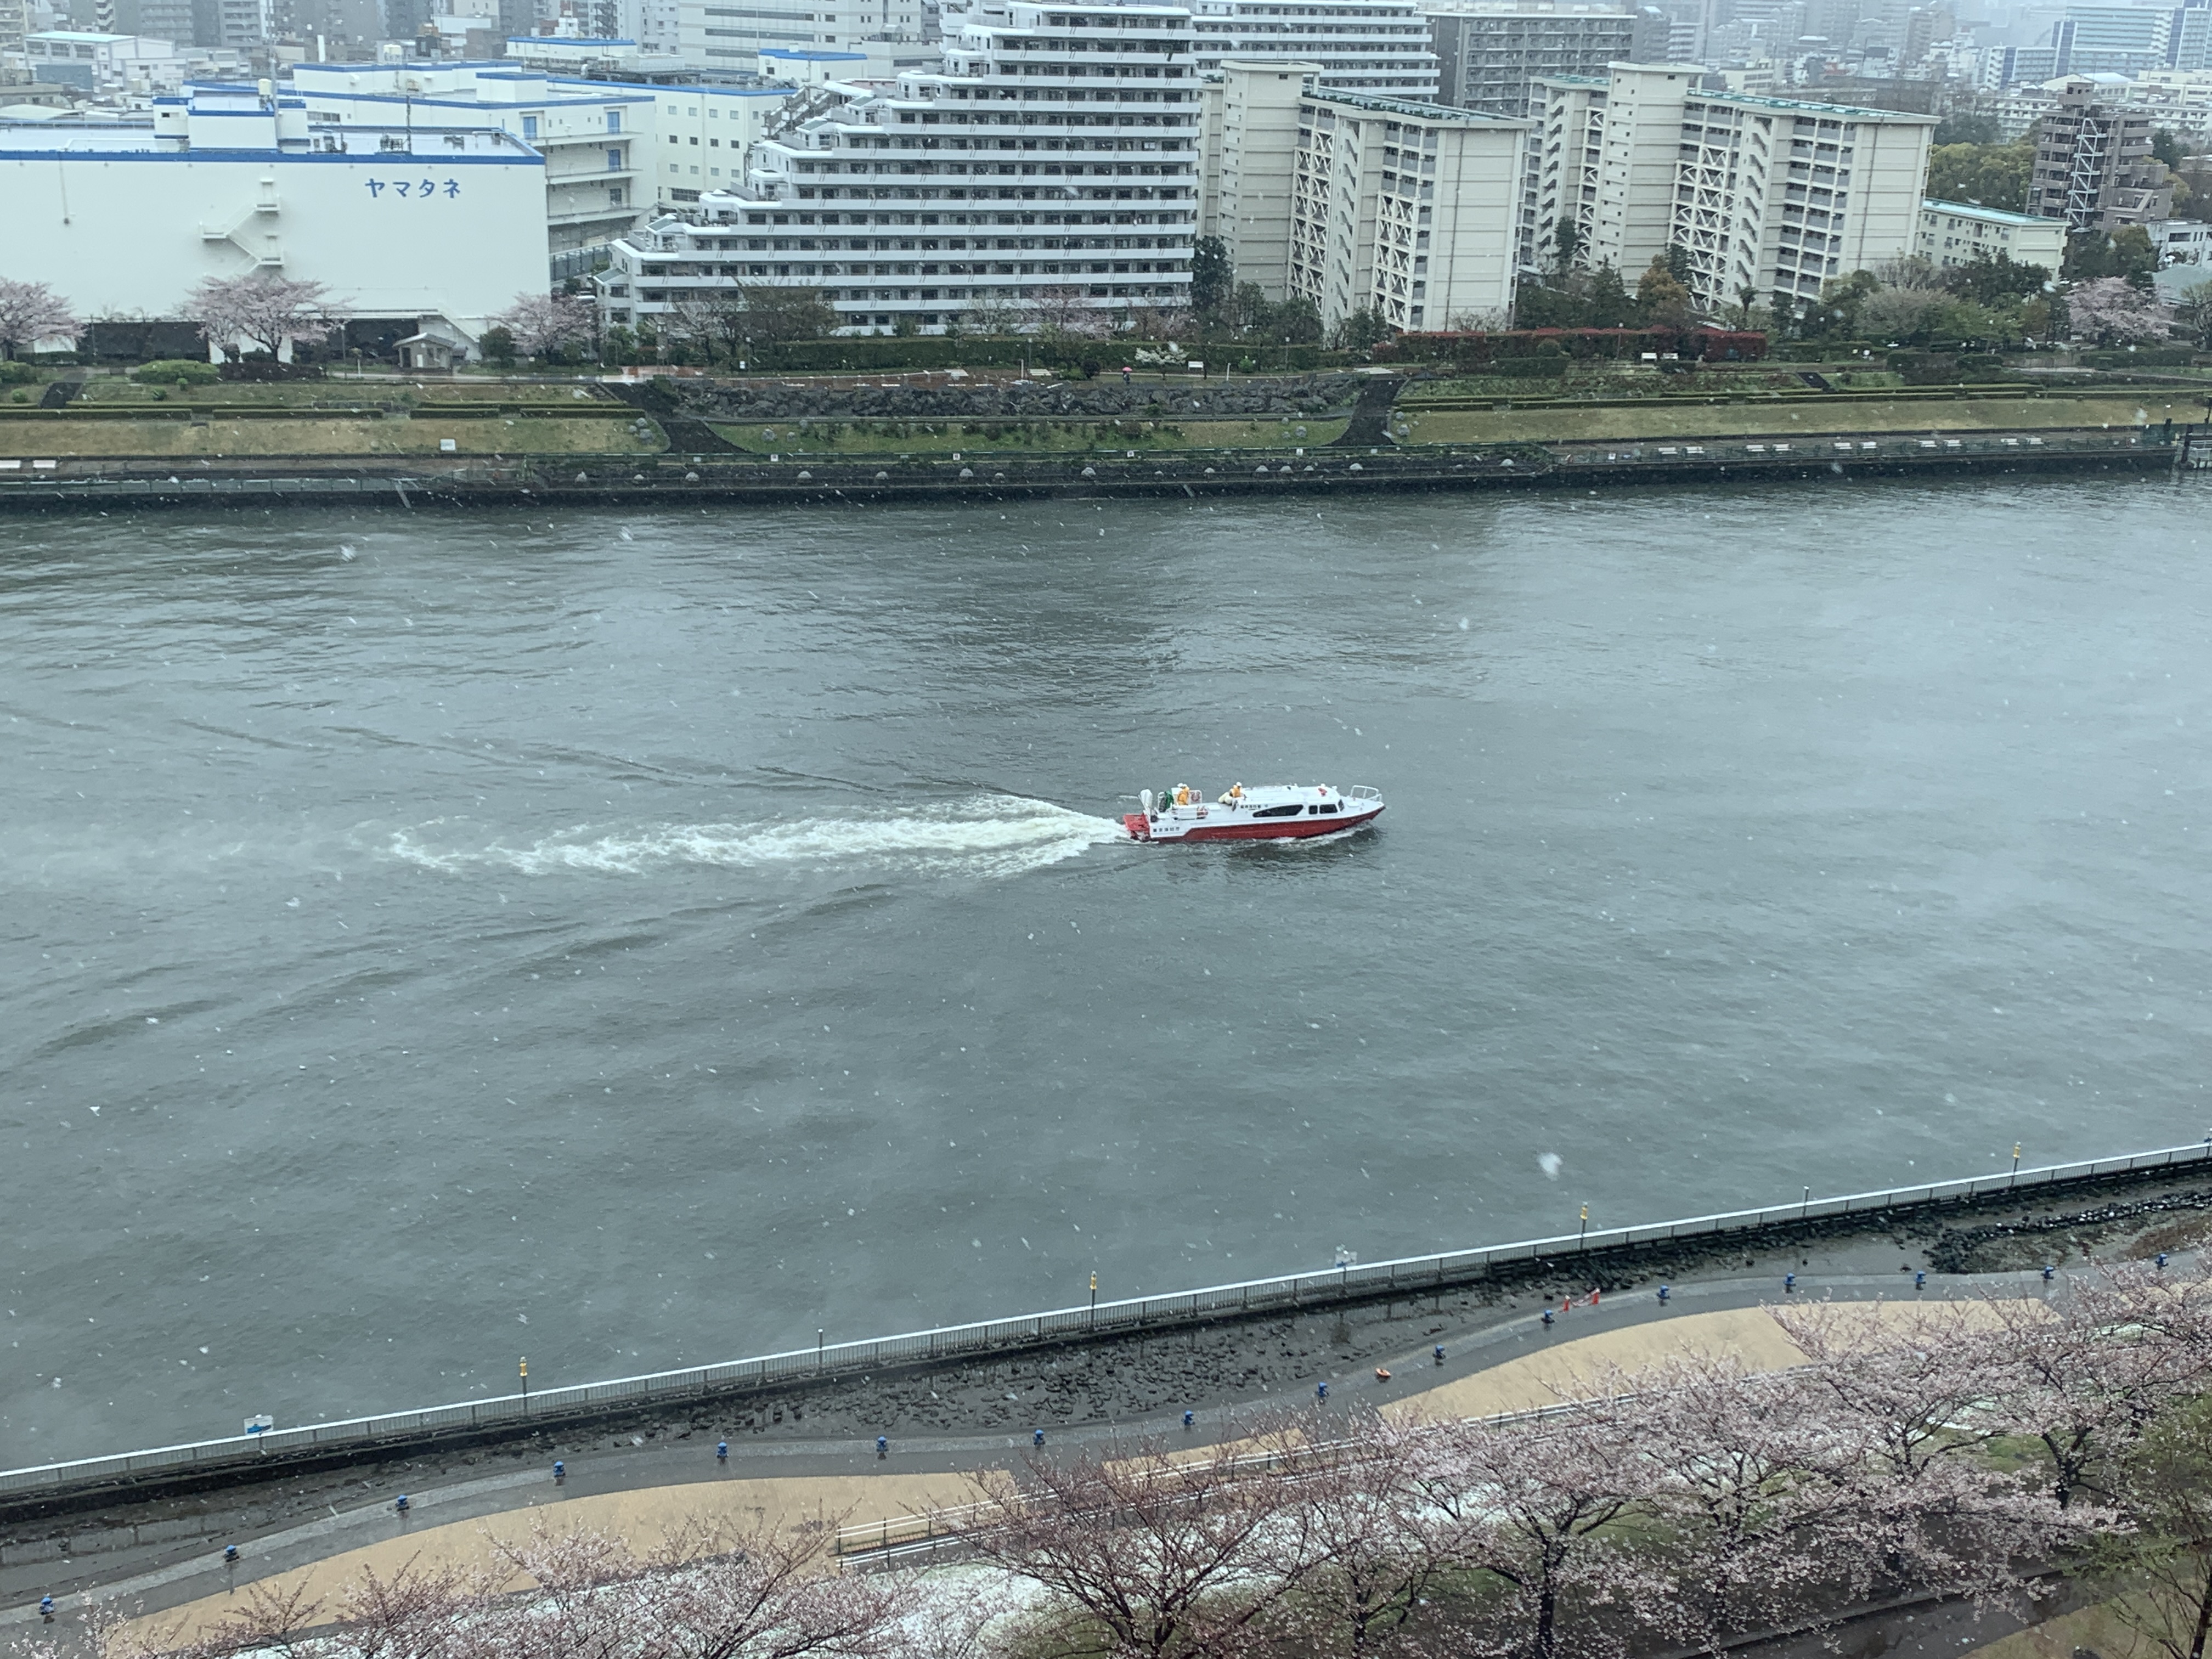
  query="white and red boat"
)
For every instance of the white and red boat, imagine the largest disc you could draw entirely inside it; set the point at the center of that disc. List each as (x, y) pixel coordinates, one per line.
(1275, 811)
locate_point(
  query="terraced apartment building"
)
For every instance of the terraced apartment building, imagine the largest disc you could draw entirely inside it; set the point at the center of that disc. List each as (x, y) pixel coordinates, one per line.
(1048, 170)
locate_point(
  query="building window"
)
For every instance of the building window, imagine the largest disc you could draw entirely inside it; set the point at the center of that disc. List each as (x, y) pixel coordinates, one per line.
(614, 161)
(530, 127)
(614, 120)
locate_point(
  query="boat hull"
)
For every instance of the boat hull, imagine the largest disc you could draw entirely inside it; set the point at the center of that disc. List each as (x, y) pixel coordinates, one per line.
(1302, 828)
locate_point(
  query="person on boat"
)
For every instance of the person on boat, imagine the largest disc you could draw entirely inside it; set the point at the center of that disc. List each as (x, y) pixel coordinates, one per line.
(1183, 795)
(1234, 795)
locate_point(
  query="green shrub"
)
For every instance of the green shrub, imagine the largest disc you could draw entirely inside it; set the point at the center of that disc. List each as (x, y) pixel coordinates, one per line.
(14, 374)
(176, 371)
(2143, 357)
(1550, 368)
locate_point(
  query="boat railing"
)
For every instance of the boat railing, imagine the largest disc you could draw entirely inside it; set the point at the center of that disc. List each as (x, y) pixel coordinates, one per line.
(1363, 792)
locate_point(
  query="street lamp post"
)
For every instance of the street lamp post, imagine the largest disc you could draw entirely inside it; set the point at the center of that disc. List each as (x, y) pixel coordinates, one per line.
(526, 1382)
(1094, 1301)
(2015, 1165)
(1581, 1238)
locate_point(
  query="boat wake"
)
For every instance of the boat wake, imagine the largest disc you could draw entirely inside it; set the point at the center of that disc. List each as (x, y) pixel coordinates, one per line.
(993, 835)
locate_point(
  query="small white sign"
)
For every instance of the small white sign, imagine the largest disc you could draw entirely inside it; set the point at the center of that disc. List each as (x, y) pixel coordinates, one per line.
(260, 1425)
(446, 446)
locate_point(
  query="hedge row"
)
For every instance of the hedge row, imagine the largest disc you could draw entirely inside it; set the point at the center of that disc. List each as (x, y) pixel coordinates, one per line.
(1492, 350)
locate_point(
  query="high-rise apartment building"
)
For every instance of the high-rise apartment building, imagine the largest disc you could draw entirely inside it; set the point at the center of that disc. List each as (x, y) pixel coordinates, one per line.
(2093, 167)
(1403, 209)
(1770, 194)
(232, 25)
(731, 33)
(15, 24)
(1489, 52)
(1376, 46)
(1048, 169)
(2129, 39)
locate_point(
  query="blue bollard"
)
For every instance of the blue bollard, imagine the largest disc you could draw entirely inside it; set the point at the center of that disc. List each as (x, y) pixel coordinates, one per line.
(883, 1446)
(400, 1502)
(1037, 1438)
(1440, 1353)
(2050, 1272)
(2161, 1258)
(1320, 1394)
(721, 1451)
(46, 1608)
(230, 1554)
(1666, 1291)
(1790, 1281)
(1547, 1319)
(560, 1471)
(1189, 1418)
(1920, 1281)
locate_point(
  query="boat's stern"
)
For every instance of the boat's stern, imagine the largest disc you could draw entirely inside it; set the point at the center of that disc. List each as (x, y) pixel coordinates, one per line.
(1139, 825)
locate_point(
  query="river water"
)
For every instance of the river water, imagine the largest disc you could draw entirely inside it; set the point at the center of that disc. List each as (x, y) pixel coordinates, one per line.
(636, 940)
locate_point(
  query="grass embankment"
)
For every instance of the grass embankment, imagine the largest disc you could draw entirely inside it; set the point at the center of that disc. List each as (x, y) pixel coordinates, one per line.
(1778, 417)
(112, 416)
(836, 437)
(107, 390)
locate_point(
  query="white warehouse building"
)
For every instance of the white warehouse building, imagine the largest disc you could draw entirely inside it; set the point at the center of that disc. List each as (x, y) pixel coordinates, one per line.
(597, 138)
(440, 228)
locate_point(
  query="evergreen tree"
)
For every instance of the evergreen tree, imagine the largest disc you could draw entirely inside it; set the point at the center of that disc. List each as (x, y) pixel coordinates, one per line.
(1212, 277)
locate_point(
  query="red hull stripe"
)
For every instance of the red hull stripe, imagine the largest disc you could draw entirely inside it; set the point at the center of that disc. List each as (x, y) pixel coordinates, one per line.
(1275, 830)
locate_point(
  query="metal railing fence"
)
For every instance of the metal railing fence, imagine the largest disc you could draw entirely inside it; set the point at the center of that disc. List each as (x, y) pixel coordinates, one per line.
(1347, 1282)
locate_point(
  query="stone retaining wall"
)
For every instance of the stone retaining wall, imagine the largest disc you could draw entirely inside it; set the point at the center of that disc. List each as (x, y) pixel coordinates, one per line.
(1147, 396)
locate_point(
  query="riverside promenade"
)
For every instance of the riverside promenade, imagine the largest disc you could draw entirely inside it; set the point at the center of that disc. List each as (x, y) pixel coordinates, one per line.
(646, 1491)
(806, 1447)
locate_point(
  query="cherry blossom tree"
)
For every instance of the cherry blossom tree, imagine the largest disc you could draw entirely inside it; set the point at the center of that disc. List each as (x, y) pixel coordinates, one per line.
(267, 314)
(545, 323)
(1382, 1546)
(418, 1612)
(767, 1588)
(1068, 313)
(1736, 1465)
(1906, 1416)
(2112, 311)
(1166, 1550)
(31, 312)
(1552, 1490)
(2091, 1368)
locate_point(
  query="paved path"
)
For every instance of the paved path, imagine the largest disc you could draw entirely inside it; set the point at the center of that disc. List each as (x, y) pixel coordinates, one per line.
(1513, 1365)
